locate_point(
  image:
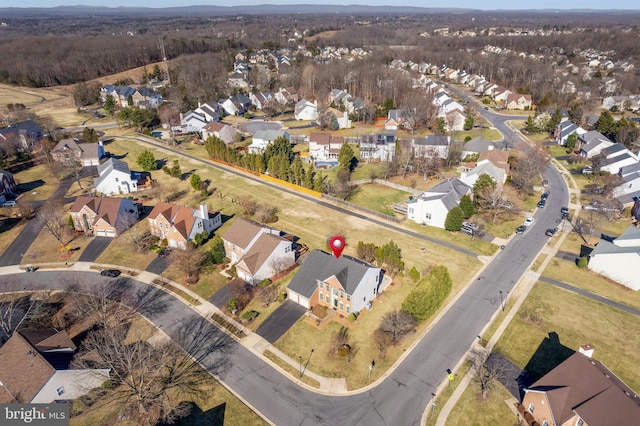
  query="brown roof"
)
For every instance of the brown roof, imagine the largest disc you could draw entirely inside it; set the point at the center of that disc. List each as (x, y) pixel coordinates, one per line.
(181, 218)
(214, 126)
(87, 150)
(48, 339)
(23, 371)
(585, 386)
(105, 208)
(497, 157)
(320, 138)
(71, 144)
(242, 232)
(260, 251)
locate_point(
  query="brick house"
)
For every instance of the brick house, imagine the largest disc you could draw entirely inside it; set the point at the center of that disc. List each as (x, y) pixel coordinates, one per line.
(7, 185)
(344, 284)
(104, 216)
(89, 154)
(580, 392)
(179, 224)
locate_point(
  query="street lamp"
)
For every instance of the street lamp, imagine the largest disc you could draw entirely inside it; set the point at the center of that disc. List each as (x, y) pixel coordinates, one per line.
(501, 301)
(300, 359)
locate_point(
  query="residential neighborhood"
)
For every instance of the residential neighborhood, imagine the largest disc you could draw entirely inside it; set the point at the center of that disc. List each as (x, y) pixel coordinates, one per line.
(247, 218)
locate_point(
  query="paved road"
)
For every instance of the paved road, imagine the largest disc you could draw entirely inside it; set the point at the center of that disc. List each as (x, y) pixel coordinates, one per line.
(306, 197)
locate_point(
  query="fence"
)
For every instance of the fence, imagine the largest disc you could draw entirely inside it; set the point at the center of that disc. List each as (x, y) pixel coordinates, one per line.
(364, 209)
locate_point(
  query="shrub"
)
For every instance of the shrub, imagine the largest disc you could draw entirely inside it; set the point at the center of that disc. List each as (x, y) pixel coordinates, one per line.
(264, 282)
(249, 315)
(232, 303)
(352, 317)
(414, 274)
(583, 262)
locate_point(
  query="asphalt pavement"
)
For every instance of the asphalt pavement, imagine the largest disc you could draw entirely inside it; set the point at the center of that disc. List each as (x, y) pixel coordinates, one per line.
(280, 321)
(94, 249)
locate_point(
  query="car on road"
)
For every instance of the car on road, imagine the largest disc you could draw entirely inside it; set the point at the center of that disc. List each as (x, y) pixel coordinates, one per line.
(486, 108)
(550, 232)
(110, 273)
(565, 212)
(545, 195)
(520, 229)
(541, 204)
(529, 221)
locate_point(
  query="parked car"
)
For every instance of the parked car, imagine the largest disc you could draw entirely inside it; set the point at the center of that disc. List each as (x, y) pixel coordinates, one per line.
(541, 204)
(529, 221)
(550, 232)
(520, 229)
(587, 170)
(9, 203)
(110, 273)
(565, 212)
(545, 195)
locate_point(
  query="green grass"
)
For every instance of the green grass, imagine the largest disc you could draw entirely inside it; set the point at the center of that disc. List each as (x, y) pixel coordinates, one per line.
(486, 134)
(293, 371)
(576, 320)
(378, 197)
(471, 410)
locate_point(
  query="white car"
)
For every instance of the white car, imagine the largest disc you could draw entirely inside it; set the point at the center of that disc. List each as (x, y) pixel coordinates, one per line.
(529, 221)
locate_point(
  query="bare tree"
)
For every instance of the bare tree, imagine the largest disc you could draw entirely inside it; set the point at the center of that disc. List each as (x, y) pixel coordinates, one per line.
(18, 308)
(383, 341)
(396, 324)
(269, 294)
(74, 168)
(188, 260)
(528, 167)
(106, 305)
(487, 368)
(154, 376)
(52, 216)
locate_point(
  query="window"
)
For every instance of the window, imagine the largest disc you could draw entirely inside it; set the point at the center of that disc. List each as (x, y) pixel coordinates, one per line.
(321, 297)
(580, 422)
(326, 298)
(340, 305)
(335, 291)
(427, 216)
(348, 309)
(287, 249)
(531, 408)
(341, 294)
(545, 423)
(60, 390)
(326, 287)
(320, 286)
(348, 298)
(117, 180)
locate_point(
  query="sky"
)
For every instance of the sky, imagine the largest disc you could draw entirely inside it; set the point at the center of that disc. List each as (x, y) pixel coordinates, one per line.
(471, 4)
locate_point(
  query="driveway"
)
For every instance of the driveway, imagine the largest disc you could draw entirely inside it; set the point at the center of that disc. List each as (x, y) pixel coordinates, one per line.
(95, 249)
(280, 321)
(157, 265)
(221, 298)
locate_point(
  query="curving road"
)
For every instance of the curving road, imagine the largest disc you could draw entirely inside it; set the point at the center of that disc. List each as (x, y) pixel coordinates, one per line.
(399, 399)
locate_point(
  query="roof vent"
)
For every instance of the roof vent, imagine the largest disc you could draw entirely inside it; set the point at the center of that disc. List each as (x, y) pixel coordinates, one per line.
(586, 350)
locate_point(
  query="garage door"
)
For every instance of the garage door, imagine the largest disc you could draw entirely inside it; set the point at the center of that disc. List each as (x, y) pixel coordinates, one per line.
(105, 233)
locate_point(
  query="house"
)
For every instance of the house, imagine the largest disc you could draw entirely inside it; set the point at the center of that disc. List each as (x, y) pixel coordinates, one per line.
(211, 111)
(25, 135)
(398, 119)
(235, 105)
(238, 80)
(115, 178)
(431, 146)
(88, 154)
(580, 391)
(493, 163)
(220, 130)
(612, 158)
(28, 376)
(7, 186)
(125, 96)
(431, 207)
(564, 129)
(518, 101)
(180, 224)
(261, 100)
(258, 252)
(628, 192)
(501, 95)
(306, 110)
(324, 148)
(618, 259)
(191, 122)
(592, 143)
(345, 284)
(454, 119)
(477, 145)
(263, 138)
(341, 117)
(286, 96)
(103, 216)
(378, 147)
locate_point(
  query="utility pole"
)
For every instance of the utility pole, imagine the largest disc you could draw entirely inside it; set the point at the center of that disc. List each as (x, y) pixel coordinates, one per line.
(164, 60)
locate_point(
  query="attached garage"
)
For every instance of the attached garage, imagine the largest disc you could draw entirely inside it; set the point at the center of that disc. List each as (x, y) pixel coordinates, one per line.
(105, 233)
(297, 298)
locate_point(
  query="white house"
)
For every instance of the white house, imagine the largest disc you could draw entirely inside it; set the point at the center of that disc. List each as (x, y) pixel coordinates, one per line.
(592, 143)
(306, 110)
(432, 145)
(324, 148)
(613, 158)
(431, 207)
(115, 178)
(565, 129)
(378, 147)
(220, 130)
(344, 284)
(258, 251)
(619, 260)
(262, 138)
(487, 168)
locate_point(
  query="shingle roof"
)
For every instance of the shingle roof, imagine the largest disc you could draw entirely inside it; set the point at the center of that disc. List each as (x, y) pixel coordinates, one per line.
(260, 251)
(180, 217)
(242, 232)
(23, 371)
(585, 386)
(48, 339)
(113, 164)
(320, 266)
(105, 208)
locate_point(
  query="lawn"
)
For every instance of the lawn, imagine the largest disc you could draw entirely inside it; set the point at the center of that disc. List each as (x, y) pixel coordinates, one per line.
(576, 321)
(378, 197)
(121, 251)
(471, 410)
(40, 183)
(46, 249)
(486, 134)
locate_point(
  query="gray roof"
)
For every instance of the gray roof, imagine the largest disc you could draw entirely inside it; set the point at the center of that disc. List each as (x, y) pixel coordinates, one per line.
(432, 140)
(113, 164)
(567, 127)
(478, 144)
(270, 135)
(616, 147)
(629, 170)
(320, 265)
(449, 191)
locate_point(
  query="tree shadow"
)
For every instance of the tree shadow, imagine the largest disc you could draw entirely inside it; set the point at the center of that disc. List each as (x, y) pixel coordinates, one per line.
(197, 417)
(549, 354)
(30, 186)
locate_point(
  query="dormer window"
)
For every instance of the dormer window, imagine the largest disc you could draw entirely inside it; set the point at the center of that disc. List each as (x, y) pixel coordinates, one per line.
(60, 390)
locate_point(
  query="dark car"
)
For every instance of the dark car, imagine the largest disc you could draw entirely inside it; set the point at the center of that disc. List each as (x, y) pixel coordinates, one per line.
(541, 204)
(110, 273)
(520, 229)
(545, 196)
(550, 232)
(565, 212)
(486, 108)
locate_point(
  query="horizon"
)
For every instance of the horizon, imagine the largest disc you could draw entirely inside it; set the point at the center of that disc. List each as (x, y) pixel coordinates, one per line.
(491, 5)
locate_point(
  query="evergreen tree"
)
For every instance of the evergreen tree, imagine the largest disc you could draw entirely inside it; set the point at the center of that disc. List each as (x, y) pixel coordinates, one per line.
(389, 256)
(426, 298)
(318, 183)
(90, 135)
(467, 206)
(468, 123)
(554, 120)
(346, 158)
(147, 161)
(309, 176)
(195, 181)
(175, 170)
(572, 139)
(607, 125)
(217, 250)
(454, 219)
(333, 124)
(109, 105)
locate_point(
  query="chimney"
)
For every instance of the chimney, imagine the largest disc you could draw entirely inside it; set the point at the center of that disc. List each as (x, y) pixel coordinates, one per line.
(204, 211)
(490, 147)
(586, 350)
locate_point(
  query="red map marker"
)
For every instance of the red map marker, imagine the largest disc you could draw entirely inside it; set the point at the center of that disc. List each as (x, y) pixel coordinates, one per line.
(337, 245)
